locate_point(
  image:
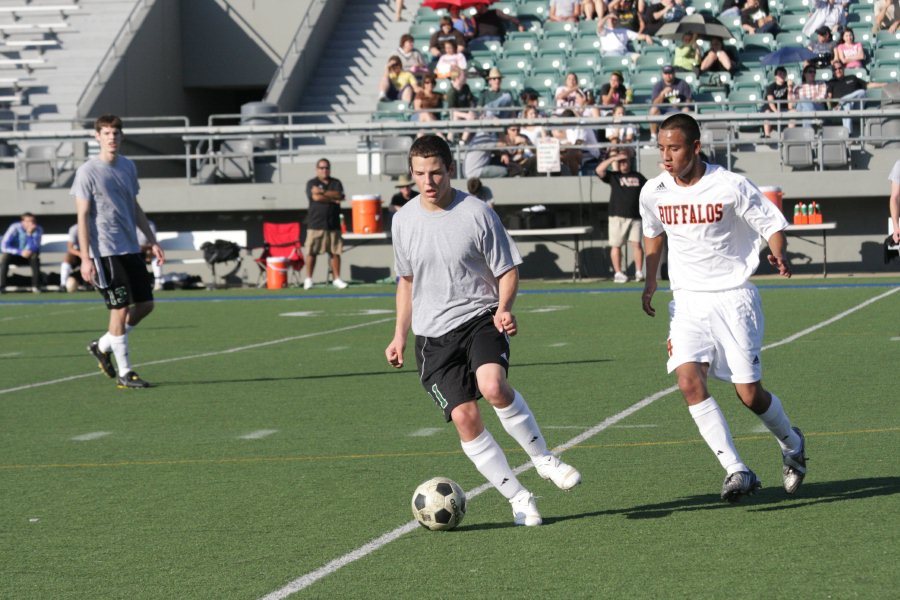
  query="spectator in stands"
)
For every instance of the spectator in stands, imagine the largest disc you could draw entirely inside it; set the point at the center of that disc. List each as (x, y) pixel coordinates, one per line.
(778, 97)
(845, 92)
(462, 23)
(732, 8)
(615, 40)
(323, 223)
(452, 65)
(565, 11)
(21, 245)
(670, 94)
(756, 20)
(586, 104)
(445, 32)
(397, 84)
(822, 47)
(489, 24)
(624, 211)
(565, 94)
(427, 101)
(404, 194)
(830, 14)
(517, 153)
(613, 93)
(579, 147)
(476, 187)
(411, 59)
(493, 97)
(810, 94)
(629, 15)
(530, 98)
(659, 13)
(687, 55)
(618, 132)
(70, 263)
(719, 58)
(887, 16)
(849, 51)
(534, 133)
(593, 9)
(149, 258)
(481, 159)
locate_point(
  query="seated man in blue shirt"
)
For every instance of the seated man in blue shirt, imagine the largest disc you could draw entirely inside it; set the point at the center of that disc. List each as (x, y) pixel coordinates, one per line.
(21, 245)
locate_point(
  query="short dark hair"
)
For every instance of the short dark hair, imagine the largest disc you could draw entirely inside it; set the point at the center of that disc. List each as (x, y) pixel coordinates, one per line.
(323, 160)
(780, 70)
(431, 145)
(684, 123)
(107, 121)
(406, 38)
(28, 215)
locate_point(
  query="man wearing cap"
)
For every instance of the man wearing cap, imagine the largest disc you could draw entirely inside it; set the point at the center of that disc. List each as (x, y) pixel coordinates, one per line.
(403, 195)
(493, 97)
(845, 91)
(615, 40)
(669, 95)
(822, 47)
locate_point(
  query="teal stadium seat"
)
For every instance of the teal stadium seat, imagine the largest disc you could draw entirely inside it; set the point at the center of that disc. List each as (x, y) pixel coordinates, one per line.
(710, 102)
(515, 64)
(650, 62)
(391, 110)
(886, 55)
(753, 80)
(586, 45)
(790, 38)
(765, 41)
(886, 38)
(796, 7)
(536, 9)
(517, 47)
(549, 63)
(554, 45)
(886, 74)
(792, 22)
(642, 82)
(583, 62)
(507, 8)
(587, 28)
(557, 29)
(429, 15)
(543, 83)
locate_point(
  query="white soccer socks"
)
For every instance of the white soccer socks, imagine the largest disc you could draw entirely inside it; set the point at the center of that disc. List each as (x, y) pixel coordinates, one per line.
(519, 422)
(488, 457)
(119, 346)
(714, 430)
(778, 423)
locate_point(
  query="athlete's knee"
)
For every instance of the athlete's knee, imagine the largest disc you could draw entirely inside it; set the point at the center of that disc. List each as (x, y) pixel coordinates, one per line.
(495, 389)
(692, 388)
(467, 420)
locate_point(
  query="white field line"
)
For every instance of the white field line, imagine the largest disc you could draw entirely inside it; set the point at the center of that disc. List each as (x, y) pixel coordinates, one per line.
(163, 361)
(313, 576)
(94, 435)
(258, 434)
(426, 431)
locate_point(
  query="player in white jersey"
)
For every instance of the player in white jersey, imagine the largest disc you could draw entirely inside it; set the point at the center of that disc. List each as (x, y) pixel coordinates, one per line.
(713, 220)
(105, 190)
(458, 281)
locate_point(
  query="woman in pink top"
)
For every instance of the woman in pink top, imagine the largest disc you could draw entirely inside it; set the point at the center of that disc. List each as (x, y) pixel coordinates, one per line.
(849, 51)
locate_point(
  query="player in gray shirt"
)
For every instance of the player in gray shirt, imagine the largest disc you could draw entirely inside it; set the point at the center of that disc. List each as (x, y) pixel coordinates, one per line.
(105, 190)
(458, 281)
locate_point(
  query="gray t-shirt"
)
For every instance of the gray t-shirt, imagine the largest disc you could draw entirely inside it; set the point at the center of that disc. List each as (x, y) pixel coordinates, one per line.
(895, 173)
(454, 256)
(112, 191)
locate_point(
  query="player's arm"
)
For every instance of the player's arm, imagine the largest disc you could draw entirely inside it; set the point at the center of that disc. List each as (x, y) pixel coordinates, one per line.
(895, 209)
(83, 211)
(778, 256)
(508, 284)
(394, 351)
(143, 224)
(652, 255)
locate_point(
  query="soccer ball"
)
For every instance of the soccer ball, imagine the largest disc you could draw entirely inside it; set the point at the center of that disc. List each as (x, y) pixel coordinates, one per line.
(439, 504)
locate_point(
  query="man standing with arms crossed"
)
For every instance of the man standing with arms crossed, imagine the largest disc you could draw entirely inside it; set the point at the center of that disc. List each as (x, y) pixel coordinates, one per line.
(105, 190)
(458, 281)
(713, 220)
(323, 223)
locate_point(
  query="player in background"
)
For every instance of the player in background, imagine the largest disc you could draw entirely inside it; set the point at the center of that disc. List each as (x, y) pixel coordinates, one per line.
(713, 220)
(894, 178)
(105, 190)
(458, 279)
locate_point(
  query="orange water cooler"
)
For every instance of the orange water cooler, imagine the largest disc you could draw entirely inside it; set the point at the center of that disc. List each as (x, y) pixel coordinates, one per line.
(773, 193)
(276, 272)
(367, 214)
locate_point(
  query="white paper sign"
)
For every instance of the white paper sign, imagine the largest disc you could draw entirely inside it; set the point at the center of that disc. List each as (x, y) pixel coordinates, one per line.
(548, 156)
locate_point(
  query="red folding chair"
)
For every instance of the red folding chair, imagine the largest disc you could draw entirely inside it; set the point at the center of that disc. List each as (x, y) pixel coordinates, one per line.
(281, 240)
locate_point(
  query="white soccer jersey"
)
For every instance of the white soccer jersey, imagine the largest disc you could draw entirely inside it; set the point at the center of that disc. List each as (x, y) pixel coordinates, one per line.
(713, 227)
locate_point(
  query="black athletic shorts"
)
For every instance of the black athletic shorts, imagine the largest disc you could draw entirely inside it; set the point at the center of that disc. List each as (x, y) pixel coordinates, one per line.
(123, 280)
(447, 364)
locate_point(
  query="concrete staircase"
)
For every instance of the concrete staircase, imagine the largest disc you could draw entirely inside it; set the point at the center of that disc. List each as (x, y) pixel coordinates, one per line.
(346, 79)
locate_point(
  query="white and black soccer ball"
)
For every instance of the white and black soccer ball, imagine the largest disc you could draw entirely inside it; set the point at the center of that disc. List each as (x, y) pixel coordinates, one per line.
(439, 504)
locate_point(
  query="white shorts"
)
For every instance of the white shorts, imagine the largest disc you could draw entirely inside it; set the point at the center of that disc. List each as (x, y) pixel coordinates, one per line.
(722, 329)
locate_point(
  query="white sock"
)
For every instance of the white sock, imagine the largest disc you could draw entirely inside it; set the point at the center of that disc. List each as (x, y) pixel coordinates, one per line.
(119, 345)
(711, 423)
(65, 270)
(780, 426)
(488, 458)
(104, 343)
(519, 422)
(157, 270)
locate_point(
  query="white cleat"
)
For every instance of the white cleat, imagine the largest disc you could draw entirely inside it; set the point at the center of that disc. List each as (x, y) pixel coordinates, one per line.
(339, 284)
(525, 510)
(620, 278)
(550, 467)
(307, 283)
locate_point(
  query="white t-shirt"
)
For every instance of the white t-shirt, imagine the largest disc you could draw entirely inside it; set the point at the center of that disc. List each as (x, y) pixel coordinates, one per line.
(713, 227)
(895, 173)
(564, 8)
(614, 42)
(446, 62)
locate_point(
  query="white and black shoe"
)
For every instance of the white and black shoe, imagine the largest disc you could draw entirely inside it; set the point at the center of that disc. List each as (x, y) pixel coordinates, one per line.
(741, 483)
(525, 510)
(794, 469)
(550, 467)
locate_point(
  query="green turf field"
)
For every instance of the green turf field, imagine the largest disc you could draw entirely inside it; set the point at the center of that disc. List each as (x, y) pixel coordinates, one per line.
(277, 440)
